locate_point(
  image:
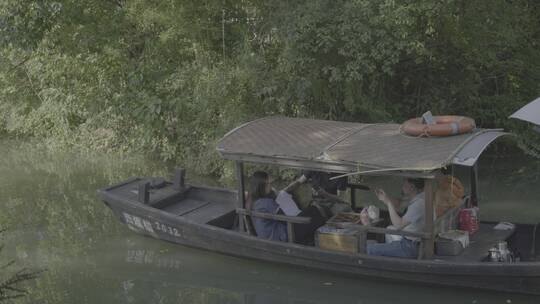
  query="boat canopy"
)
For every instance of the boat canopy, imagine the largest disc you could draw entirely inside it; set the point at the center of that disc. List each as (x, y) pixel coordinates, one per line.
(346, 147)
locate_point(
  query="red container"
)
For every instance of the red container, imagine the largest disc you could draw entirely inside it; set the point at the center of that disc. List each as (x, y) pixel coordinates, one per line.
(468, 220)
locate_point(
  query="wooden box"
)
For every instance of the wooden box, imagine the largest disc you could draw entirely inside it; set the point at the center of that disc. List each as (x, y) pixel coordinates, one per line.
(340, 239)
(331, 238)
(344, 218)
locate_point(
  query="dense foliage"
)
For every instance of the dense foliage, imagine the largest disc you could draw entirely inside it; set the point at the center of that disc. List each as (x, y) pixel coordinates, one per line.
(170, 77)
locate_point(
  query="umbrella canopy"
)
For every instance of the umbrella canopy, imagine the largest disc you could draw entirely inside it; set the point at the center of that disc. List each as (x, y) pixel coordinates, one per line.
(530, 112)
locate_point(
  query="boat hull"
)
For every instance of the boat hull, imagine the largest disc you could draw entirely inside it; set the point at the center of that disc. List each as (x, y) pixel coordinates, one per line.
(517, 277)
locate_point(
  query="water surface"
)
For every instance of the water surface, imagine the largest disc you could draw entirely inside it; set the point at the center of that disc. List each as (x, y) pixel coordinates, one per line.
(56, 222)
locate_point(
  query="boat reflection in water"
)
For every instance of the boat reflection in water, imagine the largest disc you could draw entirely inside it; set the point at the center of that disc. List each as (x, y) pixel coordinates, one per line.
(153, 272)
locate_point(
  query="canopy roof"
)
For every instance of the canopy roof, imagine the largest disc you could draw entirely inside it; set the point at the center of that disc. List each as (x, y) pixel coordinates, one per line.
(530, 112)
(347, 147)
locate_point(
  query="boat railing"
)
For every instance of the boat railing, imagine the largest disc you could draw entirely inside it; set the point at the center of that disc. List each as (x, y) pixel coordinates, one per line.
(364, 230)
(290, 220)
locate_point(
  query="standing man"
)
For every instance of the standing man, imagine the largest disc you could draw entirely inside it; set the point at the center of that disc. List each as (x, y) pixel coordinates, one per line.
(412, 221)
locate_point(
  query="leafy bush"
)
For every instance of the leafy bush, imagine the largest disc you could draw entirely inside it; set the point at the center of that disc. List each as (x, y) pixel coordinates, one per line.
(169, 78)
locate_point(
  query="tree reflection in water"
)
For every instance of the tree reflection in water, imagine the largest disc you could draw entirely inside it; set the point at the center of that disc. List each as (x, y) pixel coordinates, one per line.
(12, 278)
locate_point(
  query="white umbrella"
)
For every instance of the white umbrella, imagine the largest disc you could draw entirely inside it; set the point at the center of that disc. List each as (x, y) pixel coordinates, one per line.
(530, 112)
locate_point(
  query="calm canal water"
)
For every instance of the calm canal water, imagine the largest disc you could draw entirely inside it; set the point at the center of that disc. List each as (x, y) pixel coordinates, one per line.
(48, 203)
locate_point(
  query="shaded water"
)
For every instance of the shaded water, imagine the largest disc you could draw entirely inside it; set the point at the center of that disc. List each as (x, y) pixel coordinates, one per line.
(55, 221)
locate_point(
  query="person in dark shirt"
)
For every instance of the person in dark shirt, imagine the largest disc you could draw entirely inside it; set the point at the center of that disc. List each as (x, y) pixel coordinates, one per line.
(264, 200)
(322, 181)
(330, 190)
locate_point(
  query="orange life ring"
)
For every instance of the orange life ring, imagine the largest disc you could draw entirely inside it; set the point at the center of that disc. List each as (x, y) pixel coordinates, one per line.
(445, 126)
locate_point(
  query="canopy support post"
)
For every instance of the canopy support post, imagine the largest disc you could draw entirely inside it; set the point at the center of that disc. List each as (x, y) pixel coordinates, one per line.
(179, 179)
(429, 243)
(474, 185)
(241, 200)
(144, 192)
(353, 198)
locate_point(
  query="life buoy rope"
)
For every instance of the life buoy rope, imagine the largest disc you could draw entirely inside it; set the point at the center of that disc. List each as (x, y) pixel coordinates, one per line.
(447, 125)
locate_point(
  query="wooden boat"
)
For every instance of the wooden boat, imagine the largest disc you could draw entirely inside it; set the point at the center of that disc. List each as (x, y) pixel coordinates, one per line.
(213, 218)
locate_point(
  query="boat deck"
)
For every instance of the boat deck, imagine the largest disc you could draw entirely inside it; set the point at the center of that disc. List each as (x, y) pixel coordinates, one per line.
(199, 204)
(186, 206)
(479, 244)
(200, 211)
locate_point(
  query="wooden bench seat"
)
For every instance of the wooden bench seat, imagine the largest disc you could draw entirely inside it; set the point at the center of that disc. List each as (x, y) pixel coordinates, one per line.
(479, 244)
(185, 206)
(201, 211)
(289, 220)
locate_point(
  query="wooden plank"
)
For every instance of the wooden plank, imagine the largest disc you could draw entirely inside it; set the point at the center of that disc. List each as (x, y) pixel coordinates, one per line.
(290, 232)
(247, 223)
(144, 194)
(312, 165)
(362, 239)
(185, 206)
(277, 217)
(210, 212)
(420, 251)
(241, 200)
(353, 198)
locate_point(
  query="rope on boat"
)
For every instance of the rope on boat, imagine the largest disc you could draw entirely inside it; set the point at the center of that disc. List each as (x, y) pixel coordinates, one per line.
(383, 170)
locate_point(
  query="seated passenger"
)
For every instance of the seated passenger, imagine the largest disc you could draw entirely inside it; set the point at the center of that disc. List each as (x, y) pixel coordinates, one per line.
(412, 221)
(263, 199)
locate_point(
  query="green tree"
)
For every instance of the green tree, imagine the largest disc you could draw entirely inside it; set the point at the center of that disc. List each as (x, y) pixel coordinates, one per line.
(169, 78)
